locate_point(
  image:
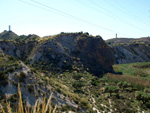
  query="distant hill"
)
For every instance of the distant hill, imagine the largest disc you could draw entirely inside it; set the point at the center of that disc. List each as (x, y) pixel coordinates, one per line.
(115, 41)
(129, 50)
(10, 35)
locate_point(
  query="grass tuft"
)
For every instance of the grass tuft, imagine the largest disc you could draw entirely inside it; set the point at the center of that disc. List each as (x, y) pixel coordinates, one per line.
(23, 109)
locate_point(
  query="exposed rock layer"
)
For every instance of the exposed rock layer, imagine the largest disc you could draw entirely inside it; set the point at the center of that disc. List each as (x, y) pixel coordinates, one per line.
(130, 50)
(65, 51)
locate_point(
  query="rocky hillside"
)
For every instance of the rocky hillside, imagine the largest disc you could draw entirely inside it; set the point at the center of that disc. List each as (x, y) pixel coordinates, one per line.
(62, 52)
(130, 50)
(63, 64)
(33, 84)
(67, 51)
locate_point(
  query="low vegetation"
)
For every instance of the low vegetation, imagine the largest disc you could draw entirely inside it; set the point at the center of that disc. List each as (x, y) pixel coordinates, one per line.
(127, 90)
(43, 107)
(130, 87)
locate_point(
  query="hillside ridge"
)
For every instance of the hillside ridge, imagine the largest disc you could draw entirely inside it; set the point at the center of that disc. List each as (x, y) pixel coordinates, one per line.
(62, 51)
(129, 50)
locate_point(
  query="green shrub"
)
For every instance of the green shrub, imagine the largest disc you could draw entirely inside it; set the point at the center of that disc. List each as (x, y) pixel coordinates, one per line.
(78, 84)
(144, 97)
(12, 69)
(124, 84)
(95, 82)
(14, 98)
(22, 76)
(77, 76)
(30, 88)
(111, 89)
(3, 76)
(84, 103)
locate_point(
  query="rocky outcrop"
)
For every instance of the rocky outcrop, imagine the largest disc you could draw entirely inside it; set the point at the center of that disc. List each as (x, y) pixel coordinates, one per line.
(74, 50)
(30, 88)
(17, 49)
(66, 51)
(137, 51)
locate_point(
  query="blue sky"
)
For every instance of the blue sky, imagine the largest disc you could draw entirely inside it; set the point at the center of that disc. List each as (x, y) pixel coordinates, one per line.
(127, 18)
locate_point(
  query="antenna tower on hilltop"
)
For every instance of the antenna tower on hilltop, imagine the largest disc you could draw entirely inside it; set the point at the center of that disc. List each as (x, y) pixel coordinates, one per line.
(116, 35)
(9, 28)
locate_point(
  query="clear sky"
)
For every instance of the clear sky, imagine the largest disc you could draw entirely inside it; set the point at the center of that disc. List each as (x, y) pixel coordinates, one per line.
(127, 18)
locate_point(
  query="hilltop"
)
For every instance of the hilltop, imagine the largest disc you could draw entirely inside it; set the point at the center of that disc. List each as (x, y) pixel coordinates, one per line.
(10, 35)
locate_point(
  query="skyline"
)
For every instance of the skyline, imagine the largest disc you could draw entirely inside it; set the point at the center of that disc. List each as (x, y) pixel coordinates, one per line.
(130, 19)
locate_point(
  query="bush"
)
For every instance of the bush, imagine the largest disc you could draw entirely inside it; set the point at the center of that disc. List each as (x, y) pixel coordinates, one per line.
(78, 84)
(84, 103)
(30, 88)
(111, 89)
(77, 76)
(22, 76)
(33, 70)
(0, 95)
(3, 76)
(12, 69)
(124, 84)
(144, 97)
(95, 82)
(11, 58)
(14, 98)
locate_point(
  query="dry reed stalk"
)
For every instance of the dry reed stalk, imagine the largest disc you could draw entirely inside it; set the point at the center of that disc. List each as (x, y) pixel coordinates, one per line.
(26, 110)
(38, 108)
(37, 105)
(48, 102)
(20, 100)
(2, 108)
(54, 109)
(50, 108)
(43, 105)
(34, 110)
(8, 107)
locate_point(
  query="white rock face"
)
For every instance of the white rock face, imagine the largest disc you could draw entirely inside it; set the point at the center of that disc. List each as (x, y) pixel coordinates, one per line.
(30, 79)
(131, 53)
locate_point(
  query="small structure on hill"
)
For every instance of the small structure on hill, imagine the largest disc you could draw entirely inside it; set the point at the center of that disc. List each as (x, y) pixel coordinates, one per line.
(116, 35)
(9, 28)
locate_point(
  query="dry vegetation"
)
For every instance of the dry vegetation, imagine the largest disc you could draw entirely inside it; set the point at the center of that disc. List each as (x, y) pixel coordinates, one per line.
(43, 107)
(130, 79)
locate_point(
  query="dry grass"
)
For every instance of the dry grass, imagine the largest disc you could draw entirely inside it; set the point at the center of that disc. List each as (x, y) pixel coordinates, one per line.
(46, 107)
(131, 79)
(2, 110)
